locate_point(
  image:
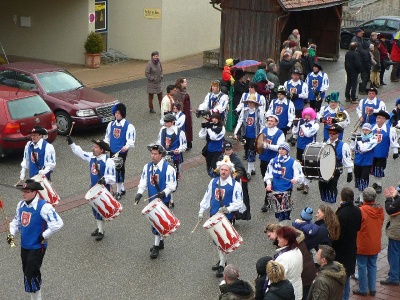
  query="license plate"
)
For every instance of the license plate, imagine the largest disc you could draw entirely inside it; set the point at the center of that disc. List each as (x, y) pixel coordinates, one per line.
(108, 119)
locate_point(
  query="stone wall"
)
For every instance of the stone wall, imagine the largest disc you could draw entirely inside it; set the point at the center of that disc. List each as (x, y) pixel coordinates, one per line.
(360, 11)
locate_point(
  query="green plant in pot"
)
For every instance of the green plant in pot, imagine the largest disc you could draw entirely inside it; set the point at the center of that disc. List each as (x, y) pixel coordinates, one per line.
(94, 45)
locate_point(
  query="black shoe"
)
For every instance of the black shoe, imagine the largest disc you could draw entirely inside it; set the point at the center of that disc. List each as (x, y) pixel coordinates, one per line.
(357, 292)
(382, 83)
(99, 236)
(95, 233)
(215, 267)
(118, 196)
(171, 205)
(372, 293)
(374, 186)
(265, 208)
(378, 189)
(160, 246)
(293, 141)
(253, 172)
(220, 271)
(152, 111)
(154, 252)
(123, 192)
(387, 282)
(348, 100)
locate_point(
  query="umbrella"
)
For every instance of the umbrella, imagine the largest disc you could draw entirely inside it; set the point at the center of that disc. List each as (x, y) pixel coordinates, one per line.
(396, 35)
(247, 63)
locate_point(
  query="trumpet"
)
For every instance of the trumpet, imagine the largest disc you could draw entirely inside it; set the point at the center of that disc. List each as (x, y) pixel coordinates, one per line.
(340, 116)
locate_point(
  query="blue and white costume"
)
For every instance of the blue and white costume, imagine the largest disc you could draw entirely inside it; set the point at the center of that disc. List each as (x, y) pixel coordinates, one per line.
(328, 114)
(284, 110)
(33, 220)
(322, 86)
(45, 155)
(301, 89)
(215, 103)
(105, 168)
(245, 97)
(376, 105)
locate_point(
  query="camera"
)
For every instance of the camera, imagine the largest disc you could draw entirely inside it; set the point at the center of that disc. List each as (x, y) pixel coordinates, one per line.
(202, 113)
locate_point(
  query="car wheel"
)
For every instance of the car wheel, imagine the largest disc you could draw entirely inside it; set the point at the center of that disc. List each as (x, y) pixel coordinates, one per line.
(345, 41)
(63, 121)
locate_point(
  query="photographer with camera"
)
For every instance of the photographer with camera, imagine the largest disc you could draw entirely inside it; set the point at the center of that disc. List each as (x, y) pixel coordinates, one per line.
(213, 132)
(215, 101)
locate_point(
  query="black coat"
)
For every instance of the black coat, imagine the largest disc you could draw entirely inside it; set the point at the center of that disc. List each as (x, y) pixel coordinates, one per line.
(365, 57)
(282, 290)
(320, 238)
(352, 61)
(261, 267)
(346, 246)
(239, 88)
(285, 67)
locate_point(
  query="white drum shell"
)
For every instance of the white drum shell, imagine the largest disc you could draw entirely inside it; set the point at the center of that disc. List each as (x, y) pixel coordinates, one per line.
(48, 193)
(223, 233)
(103, 202)
(321, 166)
(161, 217)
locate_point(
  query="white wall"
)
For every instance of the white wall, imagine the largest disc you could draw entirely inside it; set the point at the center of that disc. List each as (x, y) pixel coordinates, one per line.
(58, 29)
(185, 27)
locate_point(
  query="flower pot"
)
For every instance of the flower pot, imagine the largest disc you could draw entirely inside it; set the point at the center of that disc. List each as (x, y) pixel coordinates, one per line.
(92, 61)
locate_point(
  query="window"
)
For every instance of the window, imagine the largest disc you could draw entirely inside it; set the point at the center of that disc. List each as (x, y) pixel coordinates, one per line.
(374, 25)
(27, 107)
(18, 80)
(393, 25)
(58, 81)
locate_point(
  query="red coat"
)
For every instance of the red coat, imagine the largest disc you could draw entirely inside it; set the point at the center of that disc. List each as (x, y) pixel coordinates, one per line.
(395, 54)
(370, 235)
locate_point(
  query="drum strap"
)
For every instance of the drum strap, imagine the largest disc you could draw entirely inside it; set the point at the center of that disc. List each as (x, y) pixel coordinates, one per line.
(97, 168)
(34, 156)
(219, 193)
(154, 178)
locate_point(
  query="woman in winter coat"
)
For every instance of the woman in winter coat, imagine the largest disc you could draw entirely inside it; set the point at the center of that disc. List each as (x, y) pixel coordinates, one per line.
(289, 255)
(325, 230)
(278, 288)
(259, 282)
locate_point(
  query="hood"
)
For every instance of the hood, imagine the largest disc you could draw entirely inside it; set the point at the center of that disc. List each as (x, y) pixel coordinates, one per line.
(365, 45)
(335, 271)
(91, 98)
(283, 289)
(239, 287)
(374, 211)
(299, 236)
(261, 265)
(397, 101)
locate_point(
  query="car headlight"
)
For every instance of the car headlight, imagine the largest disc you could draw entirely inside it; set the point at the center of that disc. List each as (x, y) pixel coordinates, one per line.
(85, 113)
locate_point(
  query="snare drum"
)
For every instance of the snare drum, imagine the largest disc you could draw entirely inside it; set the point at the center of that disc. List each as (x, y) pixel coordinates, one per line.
(161, 218)
(280, 201)
(103, 202)
(319, 161)
(259, 143)
(48, 193)
(223, 233)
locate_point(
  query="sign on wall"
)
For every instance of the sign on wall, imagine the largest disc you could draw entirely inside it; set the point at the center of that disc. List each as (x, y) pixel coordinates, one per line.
(152, 13)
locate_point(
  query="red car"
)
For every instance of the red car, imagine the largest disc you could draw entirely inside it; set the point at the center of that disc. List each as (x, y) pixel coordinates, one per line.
(68, 98)
(20, 111)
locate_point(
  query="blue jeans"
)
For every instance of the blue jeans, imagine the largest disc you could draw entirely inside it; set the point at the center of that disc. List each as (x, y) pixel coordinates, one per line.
(346, 289)
(366, 272)
(393, 255)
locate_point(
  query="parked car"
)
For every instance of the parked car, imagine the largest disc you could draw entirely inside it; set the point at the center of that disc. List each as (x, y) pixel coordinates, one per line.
(386, 25)
(68, 98)
(20, 111)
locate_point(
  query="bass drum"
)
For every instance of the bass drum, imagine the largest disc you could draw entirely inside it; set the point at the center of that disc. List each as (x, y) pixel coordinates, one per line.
(319, 161)
(259, 143)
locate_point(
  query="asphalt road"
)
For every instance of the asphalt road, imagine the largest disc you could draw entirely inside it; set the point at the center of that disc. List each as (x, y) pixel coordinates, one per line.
(119, 267)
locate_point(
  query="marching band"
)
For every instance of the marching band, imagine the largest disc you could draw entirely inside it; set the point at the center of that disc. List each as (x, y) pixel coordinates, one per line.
(263, 131)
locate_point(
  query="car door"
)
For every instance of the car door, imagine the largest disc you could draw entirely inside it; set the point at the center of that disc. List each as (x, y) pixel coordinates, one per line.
(375, 25)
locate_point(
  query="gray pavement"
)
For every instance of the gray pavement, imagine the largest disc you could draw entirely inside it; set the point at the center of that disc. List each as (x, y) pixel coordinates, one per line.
(119, 267)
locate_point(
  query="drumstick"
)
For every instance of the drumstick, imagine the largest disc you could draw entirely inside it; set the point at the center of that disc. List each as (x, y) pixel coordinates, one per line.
(195, 227)
(17, 183)
(72, 126)
(147, 199)
(4, 216)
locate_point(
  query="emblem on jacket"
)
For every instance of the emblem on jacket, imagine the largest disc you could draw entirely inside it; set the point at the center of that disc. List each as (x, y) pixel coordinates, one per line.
(117, 133)
(219, 194)
(25, 218)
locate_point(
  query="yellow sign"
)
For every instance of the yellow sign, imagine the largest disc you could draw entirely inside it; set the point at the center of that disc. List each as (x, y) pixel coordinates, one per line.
(152, 13)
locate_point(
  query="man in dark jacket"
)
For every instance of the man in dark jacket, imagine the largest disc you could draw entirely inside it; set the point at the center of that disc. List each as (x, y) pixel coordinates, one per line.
(234, 288)
(285, 67)
(352, 65)
(346, 246)
(328, 285)
(365, 67)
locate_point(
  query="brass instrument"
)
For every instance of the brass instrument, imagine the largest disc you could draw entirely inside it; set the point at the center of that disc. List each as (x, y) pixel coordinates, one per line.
(317, 94)
(340, 115)
(10, 237)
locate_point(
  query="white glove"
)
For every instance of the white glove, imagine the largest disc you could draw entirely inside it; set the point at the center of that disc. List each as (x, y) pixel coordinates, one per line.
(223, 210)
(200, 218)
(42, 172)
(265, 145)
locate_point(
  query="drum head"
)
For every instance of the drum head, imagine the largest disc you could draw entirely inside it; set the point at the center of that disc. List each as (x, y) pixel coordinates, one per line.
(259, 143)
(327, 162)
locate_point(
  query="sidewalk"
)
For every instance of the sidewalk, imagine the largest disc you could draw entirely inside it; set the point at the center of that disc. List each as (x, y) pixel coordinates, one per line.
(129, 70)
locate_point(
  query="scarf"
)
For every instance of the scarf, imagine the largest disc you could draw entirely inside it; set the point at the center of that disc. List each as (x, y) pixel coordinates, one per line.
(279, 160)
(366, 137)
(260, 75)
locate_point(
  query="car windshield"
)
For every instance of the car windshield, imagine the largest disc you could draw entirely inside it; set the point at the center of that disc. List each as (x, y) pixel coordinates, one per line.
(27, 107)
(58, 81)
